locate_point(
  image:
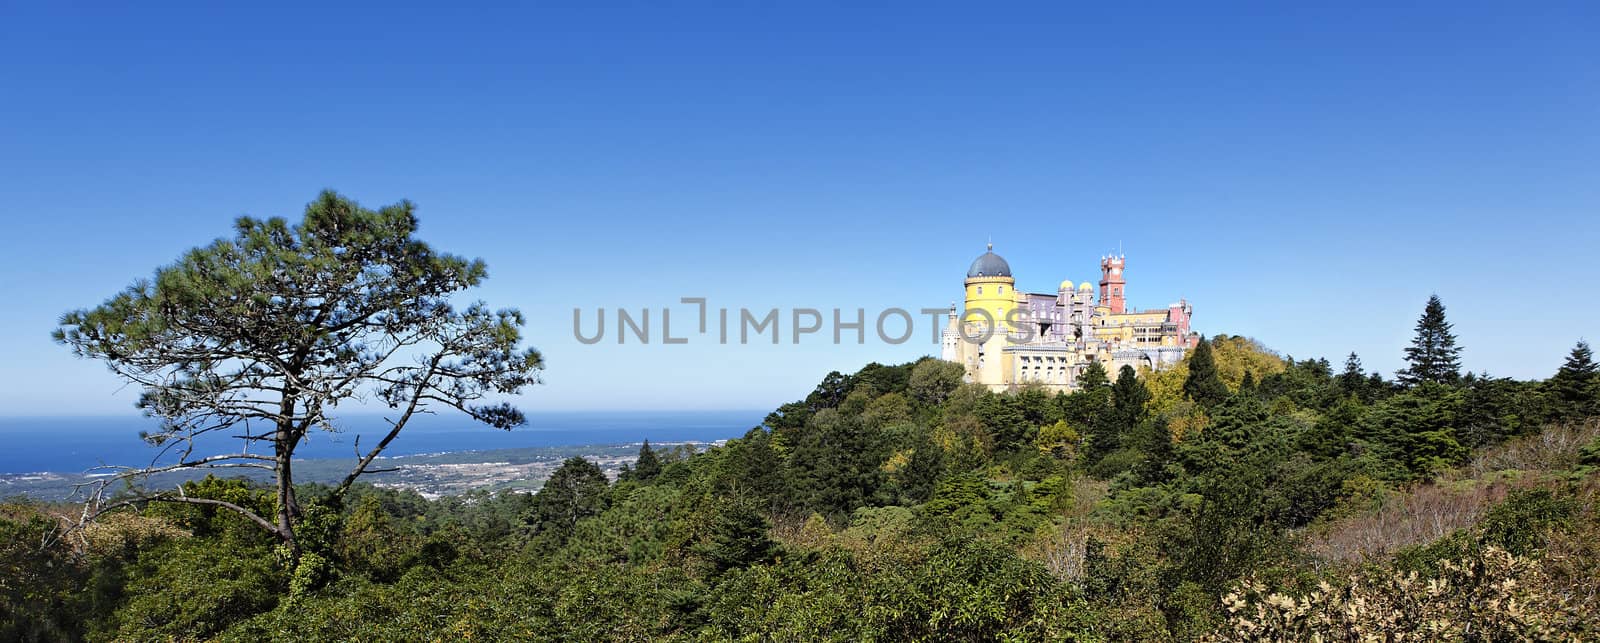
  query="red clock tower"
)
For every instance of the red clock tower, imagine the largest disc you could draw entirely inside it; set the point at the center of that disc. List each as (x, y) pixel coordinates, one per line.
(1112, 282)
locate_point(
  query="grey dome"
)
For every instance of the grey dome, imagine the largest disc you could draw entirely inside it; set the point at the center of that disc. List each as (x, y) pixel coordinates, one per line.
(989, 265)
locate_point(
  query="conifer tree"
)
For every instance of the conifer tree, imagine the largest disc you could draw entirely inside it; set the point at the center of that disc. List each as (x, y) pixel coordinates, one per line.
(1353, 381)
(920, 475)
(1433, 354)
(575, 490)
(648, 465)
(1576, 386)
(1128, 398)
(1204, 385)
(738, 538)
(265, 336)
(1093, 377)
(1153, 438)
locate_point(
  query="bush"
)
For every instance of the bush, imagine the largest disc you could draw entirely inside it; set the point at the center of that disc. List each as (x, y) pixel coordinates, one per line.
(1490, 596)
(191, 590)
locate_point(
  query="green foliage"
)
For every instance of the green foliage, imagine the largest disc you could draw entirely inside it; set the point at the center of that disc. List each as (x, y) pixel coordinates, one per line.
(1415, 430)
(1093, 377)
(1204, 386)
(1128, 398)
(576, 490)
(1589, 454)
(738, 539)
(276, 326)
(922, 471)
(1433, 355)
(646, 467)
(895, 503)
(933, 380)
(954, 590)
(1575, 388)
(1522, 523)
(1495, 409)
(1003, 420)
(192, 589)
(37, 581)
(836, 463)
(1060, 440)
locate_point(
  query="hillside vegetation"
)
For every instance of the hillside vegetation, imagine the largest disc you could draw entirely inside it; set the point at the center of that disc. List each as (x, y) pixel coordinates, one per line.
(1241, 496)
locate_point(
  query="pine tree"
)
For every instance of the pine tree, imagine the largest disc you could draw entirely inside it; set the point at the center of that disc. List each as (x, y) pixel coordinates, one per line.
(1153, 438)
(739, 538)
(648, 466)
(1353, 381)
(1128, 398)
(576, 490)
(1433, 355)
(1576, 386)
(919, 476)
(1204, 385)
(1093, 377)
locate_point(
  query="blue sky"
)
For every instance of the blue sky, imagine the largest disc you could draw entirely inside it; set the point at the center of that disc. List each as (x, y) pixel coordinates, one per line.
(1303, 175)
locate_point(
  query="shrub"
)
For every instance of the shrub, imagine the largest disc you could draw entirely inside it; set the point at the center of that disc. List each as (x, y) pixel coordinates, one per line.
(1492, 596)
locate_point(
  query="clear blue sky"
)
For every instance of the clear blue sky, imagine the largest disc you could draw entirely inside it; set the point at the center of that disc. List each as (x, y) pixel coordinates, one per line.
(1305, 176)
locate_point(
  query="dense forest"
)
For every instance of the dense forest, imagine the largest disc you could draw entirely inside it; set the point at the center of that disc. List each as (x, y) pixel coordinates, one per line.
(1240, 495)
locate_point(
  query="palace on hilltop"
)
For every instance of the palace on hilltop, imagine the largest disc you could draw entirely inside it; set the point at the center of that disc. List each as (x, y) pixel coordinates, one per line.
(1008, 338)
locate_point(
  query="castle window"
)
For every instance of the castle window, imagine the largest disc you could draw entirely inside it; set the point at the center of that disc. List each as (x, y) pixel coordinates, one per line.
(1002, 290)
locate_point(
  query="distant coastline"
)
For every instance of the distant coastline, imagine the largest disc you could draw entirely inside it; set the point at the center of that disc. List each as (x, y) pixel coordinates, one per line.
(432, 475)
(75, 445)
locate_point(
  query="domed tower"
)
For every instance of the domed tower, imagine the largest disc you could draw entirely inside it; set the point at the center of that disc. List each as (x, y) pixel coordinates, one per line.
(991, 289)
(1112, 283)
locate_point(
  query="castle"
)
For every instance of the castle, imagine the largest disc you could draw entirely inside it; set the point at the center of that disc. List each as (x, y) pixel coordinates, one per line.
(1007, 338)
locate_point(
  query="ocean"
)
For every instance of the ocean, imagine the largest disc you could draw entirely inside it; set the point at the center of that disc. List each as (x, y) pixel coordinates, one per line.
(76, 444)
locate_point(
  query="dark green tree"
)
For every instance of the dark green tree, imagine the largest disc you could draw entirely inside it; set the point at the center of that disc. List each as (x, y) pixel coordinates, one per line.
(576, 490)
(836, 462)
(1204, 385)
(739, 538)
(830, 393)
(917, 479)
(753, 469)
(648, 466)
(1093, 377)
(1111, 429)
(1332, 433)
(1153, 439)
(1353, 381)
(262, 336)
(1415, 430)
(1128, 398)
(883, 379)
(1003, 417)
(932, 380)
(1575, 388)
(1433, 355)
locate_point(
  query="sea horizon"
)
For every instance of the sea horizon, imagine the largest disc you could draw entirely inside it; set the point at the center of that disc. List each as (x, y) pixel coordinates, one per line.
(79, 443)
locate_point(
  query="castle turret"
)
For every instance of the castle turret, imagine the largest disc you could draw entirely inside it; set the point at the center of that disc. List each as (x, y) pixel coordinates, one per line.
(1112, 283)
(991, 296)
(990, 289)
